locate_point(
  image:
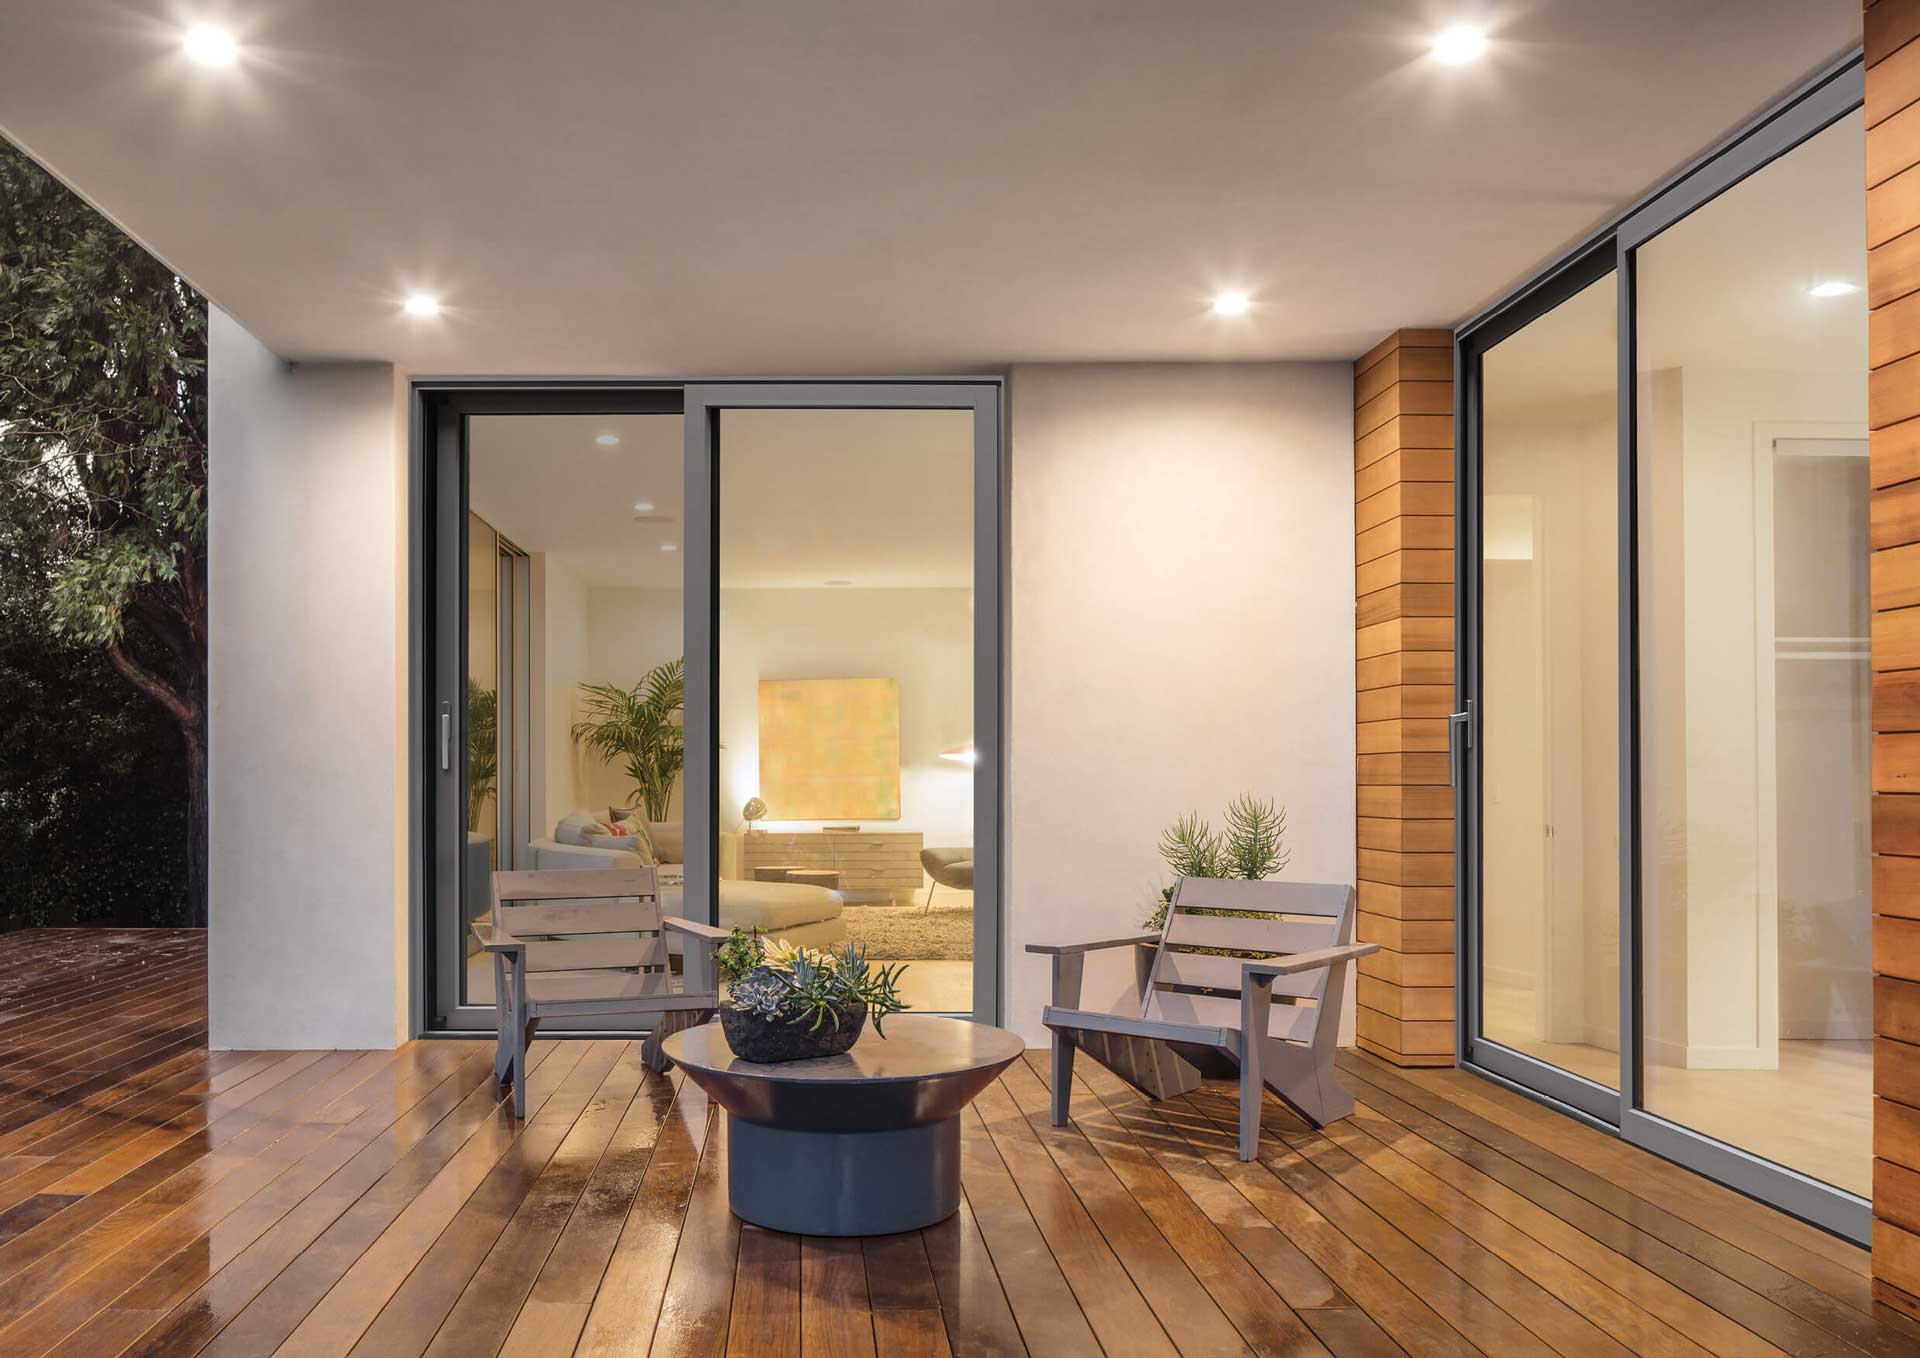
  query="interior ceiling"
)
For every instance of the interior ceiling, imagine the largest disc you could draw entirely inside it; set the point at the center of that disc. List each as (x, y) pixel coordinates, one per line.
(878, 499)
(1725, 287)
(869, 186)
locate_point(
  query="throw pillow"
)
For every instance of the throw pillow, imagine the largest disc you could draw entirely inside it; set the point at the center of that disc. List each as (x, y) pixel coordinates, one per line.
(627, 844)
(635, 826)
(669, 840)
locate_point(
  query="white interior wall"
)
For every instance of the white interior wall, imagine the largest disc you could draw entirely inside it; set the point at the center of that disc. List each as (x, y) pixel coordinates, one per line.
(307, 582)
(1709, 724)
(1181, 631)
(559, 664)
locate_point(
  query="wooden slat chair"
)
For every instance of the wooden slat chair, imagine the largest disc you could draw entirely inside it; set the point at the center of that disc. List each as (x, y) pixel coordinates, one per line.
(590, 941)
(1274, 1017)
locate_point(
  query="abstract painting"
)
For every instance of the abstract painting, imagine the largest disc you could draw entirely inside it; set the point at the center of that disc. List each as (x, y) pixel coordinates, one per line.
(830, 749)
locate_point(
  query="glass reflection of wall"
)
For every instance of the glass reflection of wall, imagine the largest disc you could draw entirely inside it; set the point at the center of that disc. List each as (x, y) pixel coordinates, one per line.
(1754, 669)
(1549, 730)
(846, 685)
(596, 504)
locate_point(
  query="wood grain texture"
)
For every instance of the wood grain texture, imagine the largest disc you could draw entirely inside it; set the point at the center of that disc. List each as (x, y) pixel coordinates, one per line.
(1403, 679)
(1893, 291)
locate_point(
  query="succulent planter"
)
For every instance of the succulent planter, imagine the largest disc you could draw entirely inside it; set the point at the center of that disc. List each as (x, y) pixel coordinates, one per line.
(769, 1041)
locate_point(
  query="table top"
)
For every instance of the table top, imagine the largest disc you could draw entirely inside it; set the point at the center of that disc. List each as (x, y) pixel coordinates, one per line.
(916, 1047)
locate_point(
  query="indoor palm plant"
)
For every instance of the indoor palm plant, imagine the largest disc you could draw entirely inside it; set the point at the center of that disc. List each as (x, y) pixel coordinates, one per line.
(640, 730)
(483, 749)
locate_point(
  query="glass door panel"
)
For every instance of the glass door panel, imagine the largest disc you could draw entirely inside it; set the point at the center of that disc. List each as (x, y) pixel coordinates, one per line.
(1755, 679)
(853, 666)
(1548, 708)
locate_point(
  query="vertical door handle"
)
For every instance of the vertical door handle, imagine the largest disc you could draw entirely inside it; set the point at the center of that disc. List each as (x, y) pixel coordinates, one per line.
(446, 737)
(1459, 739)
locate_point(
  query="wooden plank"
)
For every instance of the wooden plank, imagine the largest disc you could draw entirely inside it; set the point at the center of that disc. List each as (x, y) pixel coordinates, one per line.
(1406, 869)
(1896, 825)
(1425, 566)
(1406, 601)
(1896, 886)
(1896, 639)
(1401, 737)
(1896, 577)
(1423, 969)
(1406, 836)
(1400, 901)
(1404, 935)
(1892, 208)
(1407, 802)
(835, 1316)
(1893, 144)
(766, 1296)
(1896, 1009)
(1423, 532)
(1404, 701)
(1894, 452)
(1887, 26)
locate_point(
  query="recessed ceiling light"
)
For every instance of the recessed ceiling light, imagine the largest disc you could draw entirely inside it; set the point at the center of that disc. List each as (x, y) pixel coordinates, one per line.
(643, 506)
(669, 546)
(422, 305)
(210, 45)
(1232, 304)
(838, 584)
(1458, 45)
(609, 441)
(1832, 288)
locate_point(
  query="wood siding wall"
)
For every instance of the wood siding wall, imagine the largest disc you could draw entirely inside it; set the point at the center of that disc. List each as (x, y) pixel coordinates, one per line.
(1893, 291)
(1403, 623)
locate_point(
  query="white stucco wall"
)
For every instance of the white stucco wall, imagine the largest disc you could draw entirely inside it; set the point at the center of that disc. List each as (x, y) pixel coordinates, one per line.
(1181, 631)
(307, 580)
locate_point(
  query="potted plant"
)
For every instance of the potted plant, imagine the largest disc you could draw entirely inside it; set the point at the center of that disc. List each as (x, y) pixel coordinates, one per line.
(792, 1004)
(640, 729)
(483, 749)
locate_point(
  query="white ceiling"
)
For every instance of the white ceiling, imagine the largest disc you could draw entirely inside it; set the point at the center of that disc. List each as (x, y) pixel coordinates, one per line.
(877, 499)
(872, 185)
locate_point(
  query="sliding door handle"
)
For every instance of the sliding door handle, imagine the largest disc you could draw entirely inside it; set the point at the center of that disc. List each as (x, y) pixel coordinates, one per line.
(1459, 740)
(446, 737)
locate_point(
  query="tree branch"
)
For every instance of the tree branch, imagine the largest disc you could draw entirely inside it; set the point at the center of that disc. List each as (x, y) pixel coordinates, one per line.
(183, 710)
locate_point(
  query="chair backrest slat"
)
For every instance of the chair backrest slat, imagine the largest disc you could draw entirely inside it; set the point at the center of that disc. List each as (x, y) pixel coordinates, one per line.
(1267, 934)
(1279, 919)
(564, 918)
(586, 952)
(1294, 1022)
(1223, 973)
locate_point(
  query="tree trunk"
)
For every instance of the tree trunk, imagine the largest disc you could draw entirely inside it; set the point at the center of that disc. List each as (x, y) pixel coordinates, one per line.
(196, 829)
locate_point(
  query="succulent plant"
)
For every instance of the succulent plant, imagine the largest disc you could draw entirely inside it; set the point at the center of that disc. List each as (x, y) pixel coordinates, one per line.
(783, 983)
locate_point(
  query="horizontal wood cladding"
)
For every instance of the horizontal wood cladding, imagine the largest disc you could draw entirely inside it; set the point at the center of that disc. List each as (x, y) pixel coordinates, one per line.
(1405, 802)
(1896, 947)
(1896, 577)
(1405, 701)
(1402, 737)
(1896, 1013)
(1896, 886)
(1394, 901)
(1410, 968)
(1895, 450)
(1433, 1003)
(1406, 836)
(1896, 1067)
(1403, 518)
(1397, 435)
(1404, 567)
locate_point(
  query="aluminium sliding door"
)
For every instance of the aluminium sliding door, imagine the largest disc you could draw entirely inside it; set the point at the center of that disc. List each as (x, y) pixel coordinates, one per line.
(843, 672)
(1665, 738)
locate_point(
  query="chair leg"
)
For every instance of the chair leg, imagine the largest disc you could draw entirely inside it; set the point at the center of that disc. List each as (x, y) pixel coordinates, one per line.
(1062, 1101)
(1252, 1090)
(932, 886)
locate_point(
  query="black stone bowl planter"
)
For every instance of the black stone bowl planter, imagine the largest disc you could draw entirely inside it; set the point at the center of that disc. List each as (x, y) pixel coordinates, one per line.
(769, 1041)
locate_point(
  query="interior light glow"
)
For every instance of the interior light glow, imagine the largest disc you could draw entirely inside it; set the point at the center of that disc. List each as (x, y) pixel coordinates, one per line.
(1832, 288)
(1232, 304)
(1458, 45)
(669, 546)
(609, 441)
(643, 506)
(210, 45)
(422, 305)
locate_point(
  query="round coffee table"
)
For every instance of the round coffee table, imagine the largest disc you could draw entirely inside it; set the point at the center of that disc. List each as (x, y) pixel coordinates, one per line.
(866, 1143)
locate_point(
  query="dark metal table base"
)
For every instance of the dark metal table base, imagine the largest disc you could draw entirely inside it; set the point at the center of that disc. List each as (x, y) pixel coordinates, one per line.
(843, 1183)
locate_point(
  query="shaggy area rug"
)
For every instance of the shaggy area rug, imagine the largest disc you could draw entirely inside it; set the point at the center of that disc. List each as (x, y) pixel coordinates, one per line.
(906, 933)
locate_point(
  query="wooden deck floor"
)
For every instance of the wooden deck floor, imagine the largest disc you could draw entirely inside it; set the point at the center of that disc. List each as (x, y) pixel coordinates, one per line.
(159, 1199)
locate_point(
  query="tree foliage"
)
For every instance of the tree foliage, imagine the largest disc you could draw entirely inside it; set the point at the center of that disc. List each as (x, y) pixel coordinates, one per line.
(103, 444)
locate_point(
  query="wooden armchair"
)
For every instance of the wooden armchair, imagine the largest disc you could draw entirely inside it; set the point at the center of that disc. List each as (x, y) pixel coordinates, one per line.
(590, 941)
(1273, 1016)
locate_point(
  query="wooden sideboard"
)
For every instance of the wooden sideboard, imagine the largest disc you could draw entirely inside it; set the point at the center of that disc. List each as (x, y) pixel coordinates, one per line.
(873, 865)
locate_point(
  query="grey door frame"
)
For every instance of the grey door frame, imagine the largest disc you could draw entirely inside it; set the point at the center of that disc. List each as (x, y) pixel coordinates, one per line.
(1829, 95)
(705, 402)
(439, 409)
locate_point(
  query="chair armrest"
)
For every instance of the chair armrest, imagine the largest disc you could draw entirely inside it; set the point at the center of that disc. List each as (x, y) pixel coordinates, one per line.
(496, 940)
(692, 930)
(1307, 961)
(1064, 949)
